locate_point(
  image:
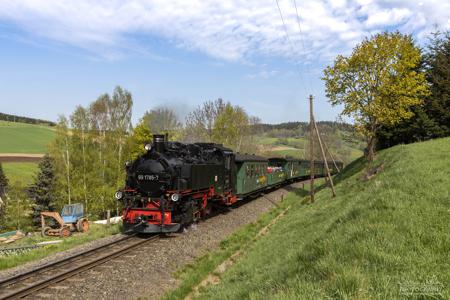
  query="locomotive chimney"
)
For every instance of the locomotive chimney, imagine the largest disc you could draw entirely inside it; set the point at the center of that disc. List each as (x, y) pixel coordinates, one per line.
(159, 142)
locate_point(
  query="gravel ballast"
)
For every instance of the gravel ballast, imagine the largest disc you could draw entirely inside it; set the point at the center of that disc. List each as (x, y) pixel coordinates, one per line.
(147, 272)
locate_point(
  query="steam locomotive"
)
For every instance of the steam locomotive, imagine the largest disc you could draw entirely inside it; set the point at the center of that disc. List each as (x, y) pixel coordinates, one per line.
(174, 184)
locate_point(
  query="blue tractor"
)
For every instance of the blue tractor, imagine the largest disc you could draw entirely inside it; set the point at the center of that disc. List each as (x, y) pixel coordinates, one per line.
(71, 219)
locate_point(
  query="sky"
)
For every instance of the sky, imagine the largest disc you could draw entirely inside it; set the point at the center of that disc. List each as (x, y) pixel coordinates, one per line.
(55, 55)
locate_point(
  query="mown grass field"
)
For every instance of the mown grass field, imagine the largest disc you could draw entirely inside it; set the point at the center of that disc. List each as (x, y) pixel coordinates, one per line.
(20, 173)
(95, 232)
(24, 138)
(384, 238)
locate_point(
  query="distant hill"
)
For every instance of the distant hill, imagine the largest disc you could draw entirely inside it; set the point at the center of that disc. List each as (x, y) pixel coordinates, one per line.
(27, 120)
(303, 125)
(16, 137)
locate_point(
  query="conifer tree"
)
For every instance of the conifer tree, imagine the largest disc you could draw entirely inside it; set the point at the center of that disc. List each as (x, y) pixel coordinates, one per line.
(432, 117)
(42, 191)
(3, 182)
(437, 60)
(3, 188)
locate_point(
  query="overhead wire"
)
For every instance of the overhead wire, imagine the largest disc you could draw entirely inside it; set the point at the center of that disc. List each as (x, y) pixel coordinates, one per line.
(302, 42)
(303, 82)
(291, 46)
(309, 74)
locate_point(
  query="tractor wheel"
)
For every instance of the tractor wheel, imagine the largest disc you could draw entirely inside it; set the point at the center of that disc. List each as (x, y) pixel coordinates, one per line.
(44, 231)
(82, 225)
(65, 232)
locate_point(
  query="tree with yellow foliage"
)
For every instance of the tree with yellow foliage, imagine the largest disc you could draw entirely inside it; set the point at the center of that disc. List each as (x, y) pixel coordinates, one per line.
(378, 83)
(141, 136)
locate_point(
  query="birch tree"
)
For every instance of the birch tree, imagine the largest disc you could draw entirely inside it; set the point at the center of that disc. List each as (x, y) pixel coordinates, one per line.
(200, 122)
(120, 116)
(80, 126)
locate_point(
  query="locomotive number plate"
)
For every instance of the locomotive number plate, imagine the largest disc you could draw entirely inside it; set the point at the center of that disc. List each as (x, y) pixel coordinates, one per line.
(148, 177)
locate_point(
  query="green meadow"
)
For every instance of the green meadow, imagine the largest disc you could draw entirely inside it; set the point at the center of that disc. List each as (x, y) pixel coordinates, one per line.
(20, 173)
(24, 138)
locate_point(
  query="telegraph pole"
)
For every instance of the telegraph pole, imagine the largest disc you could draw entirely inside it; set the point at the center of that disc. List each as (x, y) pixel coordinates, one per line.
(311, 146)
(325, 159)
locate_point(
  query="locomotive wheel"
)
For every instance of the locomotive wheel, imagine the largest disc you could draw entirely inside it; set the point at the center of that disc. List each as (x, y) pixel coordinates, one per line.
(82, 225)
(206, 211)
(65, 232)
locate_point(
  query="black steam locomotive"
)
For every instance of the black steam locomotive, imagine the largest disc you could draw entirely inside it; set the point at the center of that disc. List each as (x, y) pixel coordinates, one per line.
(174, 184)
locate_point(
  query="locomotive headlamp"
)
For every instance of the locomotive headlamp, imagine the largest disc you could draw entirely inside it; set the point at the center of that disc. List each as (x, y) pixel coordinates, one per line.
(148, 147)
(118, 195)
(175, 197)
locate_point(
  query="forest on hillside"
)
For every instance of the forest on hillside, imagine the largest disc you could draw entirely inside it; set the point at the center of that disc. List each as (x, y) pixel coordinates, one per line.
(21, 119)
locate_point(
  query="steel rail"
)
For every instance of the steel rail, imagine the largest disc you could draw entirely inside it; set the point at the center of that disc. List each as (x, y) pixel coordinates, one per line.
(24, 275)
(64, 274)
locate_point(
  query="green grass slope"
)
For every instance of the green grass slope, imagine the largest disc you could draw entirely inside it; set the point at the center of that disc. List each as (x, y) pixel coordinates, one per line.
(24, 138)
(385, 238)
(20, 173)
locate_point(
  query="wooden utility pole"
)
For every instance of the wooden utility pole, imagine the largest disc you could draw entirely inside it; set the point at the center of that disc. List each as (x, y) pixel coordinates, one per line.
(332, 158)
(324, 159)
(311, 146)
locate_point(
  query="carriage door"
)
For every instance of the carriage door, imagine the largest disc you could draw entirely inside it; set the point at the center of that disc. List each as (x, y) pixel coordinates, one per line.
(227, 176)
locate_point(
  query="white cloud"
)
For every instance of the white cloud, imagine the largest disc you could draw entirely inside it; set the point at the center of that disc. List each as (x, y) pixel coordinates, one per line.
(387, 17)
(225, 30)
(263, 74)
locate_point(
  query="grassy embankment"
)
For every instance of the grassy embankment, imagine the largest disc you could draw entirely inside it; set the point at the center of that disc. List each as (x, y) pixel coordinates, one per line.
(23, 138)
(384, 238)
(95, 232)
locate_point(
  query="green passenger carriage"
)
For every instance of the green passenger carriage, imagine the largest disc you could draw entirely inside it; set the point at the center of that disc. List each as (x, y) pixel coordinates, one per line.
(276, 173)
(251, 174)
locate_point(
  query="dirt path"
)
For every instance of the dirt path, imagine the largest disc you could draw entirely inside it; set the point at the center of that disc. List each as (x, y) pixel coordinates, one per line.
(20, 157)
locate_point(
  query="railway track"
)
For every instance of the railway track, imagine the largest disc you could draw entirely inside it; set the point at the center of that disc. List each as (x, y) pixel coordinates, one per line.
(30, 282)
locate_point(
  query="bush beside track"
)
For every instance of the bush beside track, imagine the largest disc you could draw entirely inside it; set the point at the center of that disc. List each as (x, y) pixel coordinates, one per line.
(382, 238)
